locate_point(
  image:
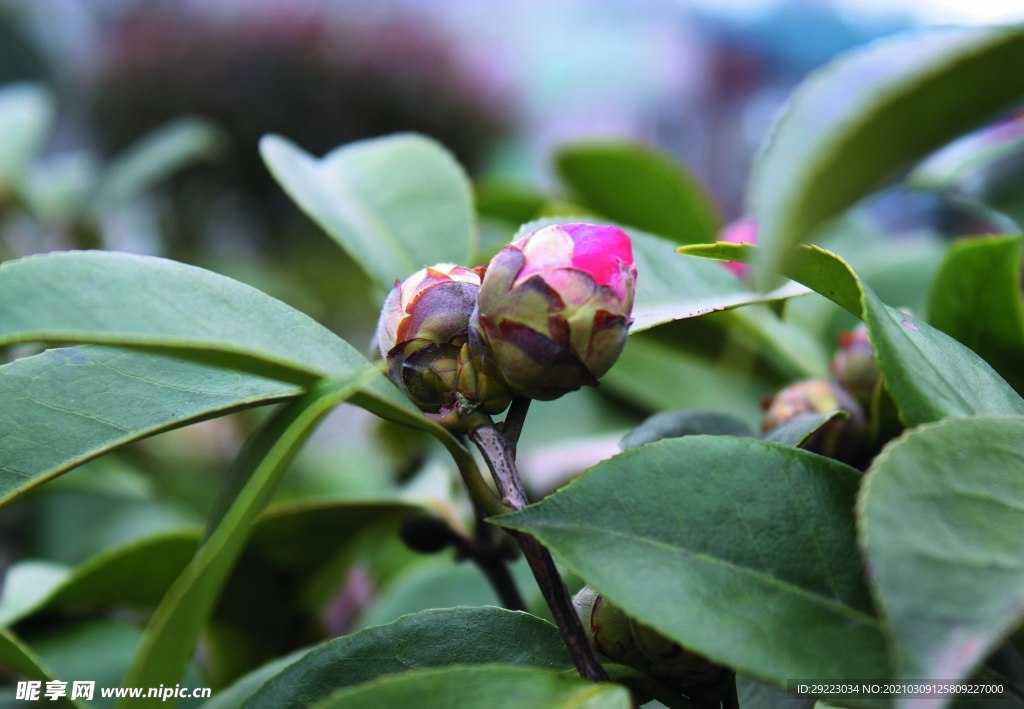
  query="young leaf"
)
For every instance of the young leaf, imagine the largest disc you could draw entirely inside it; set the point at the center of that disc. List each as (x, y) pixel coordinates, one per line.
(685, 422)
(66, 406)
(799, 428)
(395, 204)
(929, 374)
(741, 550)
(868, 115)
(637, 185)
(491, 686)
(977, 298)
(940, 518)
(433, 638)
(27, 113)
(171, 634)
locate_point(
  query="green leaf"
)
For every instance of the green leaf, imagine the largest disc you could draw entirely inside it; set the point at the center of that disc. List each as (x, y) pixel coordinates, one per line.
(171, 634)
(685, 422)
(395, 204)
(17, 657)
(155, 157)
(637, 185)
(977, 298)
(741, 550)
(25, 585)
(929, 374)
(870, 114)
(799, 428)
(491, 686)
(27, 114)
(66, 406)
(433, 638)
(940, 516)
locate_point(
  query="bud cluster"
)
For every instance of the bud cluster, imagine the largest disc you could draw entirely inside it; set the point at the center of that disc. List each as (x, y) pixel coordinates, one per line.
(856, 383)
(547, 316)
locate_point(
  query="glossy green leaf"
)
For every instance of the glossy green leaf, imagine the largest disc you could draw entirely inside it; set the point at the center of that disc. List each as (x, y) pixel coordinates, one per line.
(395, 204)
(868, 115)
(433, 638)
(66, 406)
(235, 694)
(491, 686)
(799, 428)
(171, 634)
(940, 516)
(685, 422)
(27, 114)
(637, 185)
(977, 298)
(739, 549)
(155, 157)
(929, 374)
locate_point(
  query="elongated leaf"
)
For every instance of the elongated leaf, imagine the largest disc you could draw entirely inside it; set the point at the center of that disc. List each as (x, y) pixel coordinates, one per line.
(66, 406)
(739, 549)
(27, 113)
(491, 686)
(929, 374)
(172, 632)
(395, 204)
(434, 638)
(941, 514)
(685, 422)
(155, 157)
(977, 298)
(799, 428)
(866, 116)
(637, 185)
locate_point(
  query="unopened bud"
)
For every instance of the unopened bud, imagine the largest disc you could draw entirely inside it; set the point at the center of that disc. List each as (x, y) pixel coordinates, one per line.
(854, 366)
(554, 308)
(840, 438)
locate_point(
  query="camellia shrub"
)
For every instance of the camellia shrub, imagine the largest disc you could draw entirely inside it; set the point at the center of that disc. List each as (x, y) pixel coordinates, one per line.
(858, 542)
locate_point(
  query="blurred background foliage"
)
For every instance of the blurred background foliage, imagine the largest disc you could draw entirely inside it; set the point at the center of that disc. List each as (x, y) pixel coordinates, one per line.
(148, 115)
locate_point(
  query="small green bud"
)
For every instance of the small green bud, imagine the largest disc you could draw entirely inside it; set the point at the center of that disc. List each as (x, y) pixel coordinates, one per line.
(426, 534)
(671, 661)
(607, 627)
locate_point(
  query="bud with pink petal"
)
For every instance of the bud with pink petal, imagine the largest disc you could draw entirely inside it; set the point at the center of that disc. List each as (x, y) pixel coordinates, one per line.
(741, 231)
(554, 308)
(423, 332)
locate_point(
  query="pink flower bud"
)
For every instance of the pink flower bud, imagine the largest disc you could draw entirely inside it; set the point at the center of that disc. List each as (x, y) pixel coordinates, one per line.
(554, 308)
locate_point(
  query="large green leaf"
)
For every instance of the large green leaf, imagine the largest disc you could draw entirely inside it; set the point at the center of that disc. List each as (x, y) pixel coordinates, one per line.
(861, 119)
(27, 113)
(977, 298)
(171, 634)
(491, 686)
(637, 185)
(941, 515)
(929, 374)
(66, 406)
(433, 638)
(740, 549)
(395, 204)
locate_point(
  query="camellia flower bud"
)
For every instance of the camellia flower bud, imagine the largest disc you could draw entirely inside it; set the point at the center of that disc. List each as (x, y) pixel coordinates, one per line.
(854, 365)
(607, 627)
(554, 308)
(423, 332)
(842, 439)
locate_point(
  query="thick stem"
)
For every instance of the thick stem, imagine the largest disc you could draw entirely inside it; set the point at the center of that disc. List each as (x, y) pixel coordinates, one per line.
(497, 451)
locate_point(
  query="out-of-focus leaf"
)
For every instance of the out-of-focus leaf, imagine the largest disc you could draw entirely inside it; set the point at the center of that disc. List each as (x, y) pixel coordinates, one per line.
(66, 406)
(940, 518)
(27, 113)
(508, 202)
(432, 638)
(861, 119)
(637, 185)
(171, 634)
(491, 686)
(395, 204)
(26, 584)
(977, 298)
(685, 422)
(742, 550)
(17, 657)
(155, 157)
(929, 374)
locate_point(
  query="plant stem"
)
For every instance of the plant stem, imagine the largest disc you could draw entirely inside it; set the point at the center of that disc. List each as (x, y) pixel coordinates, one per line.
(492, 559)
(512, 426)
(498, 453)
